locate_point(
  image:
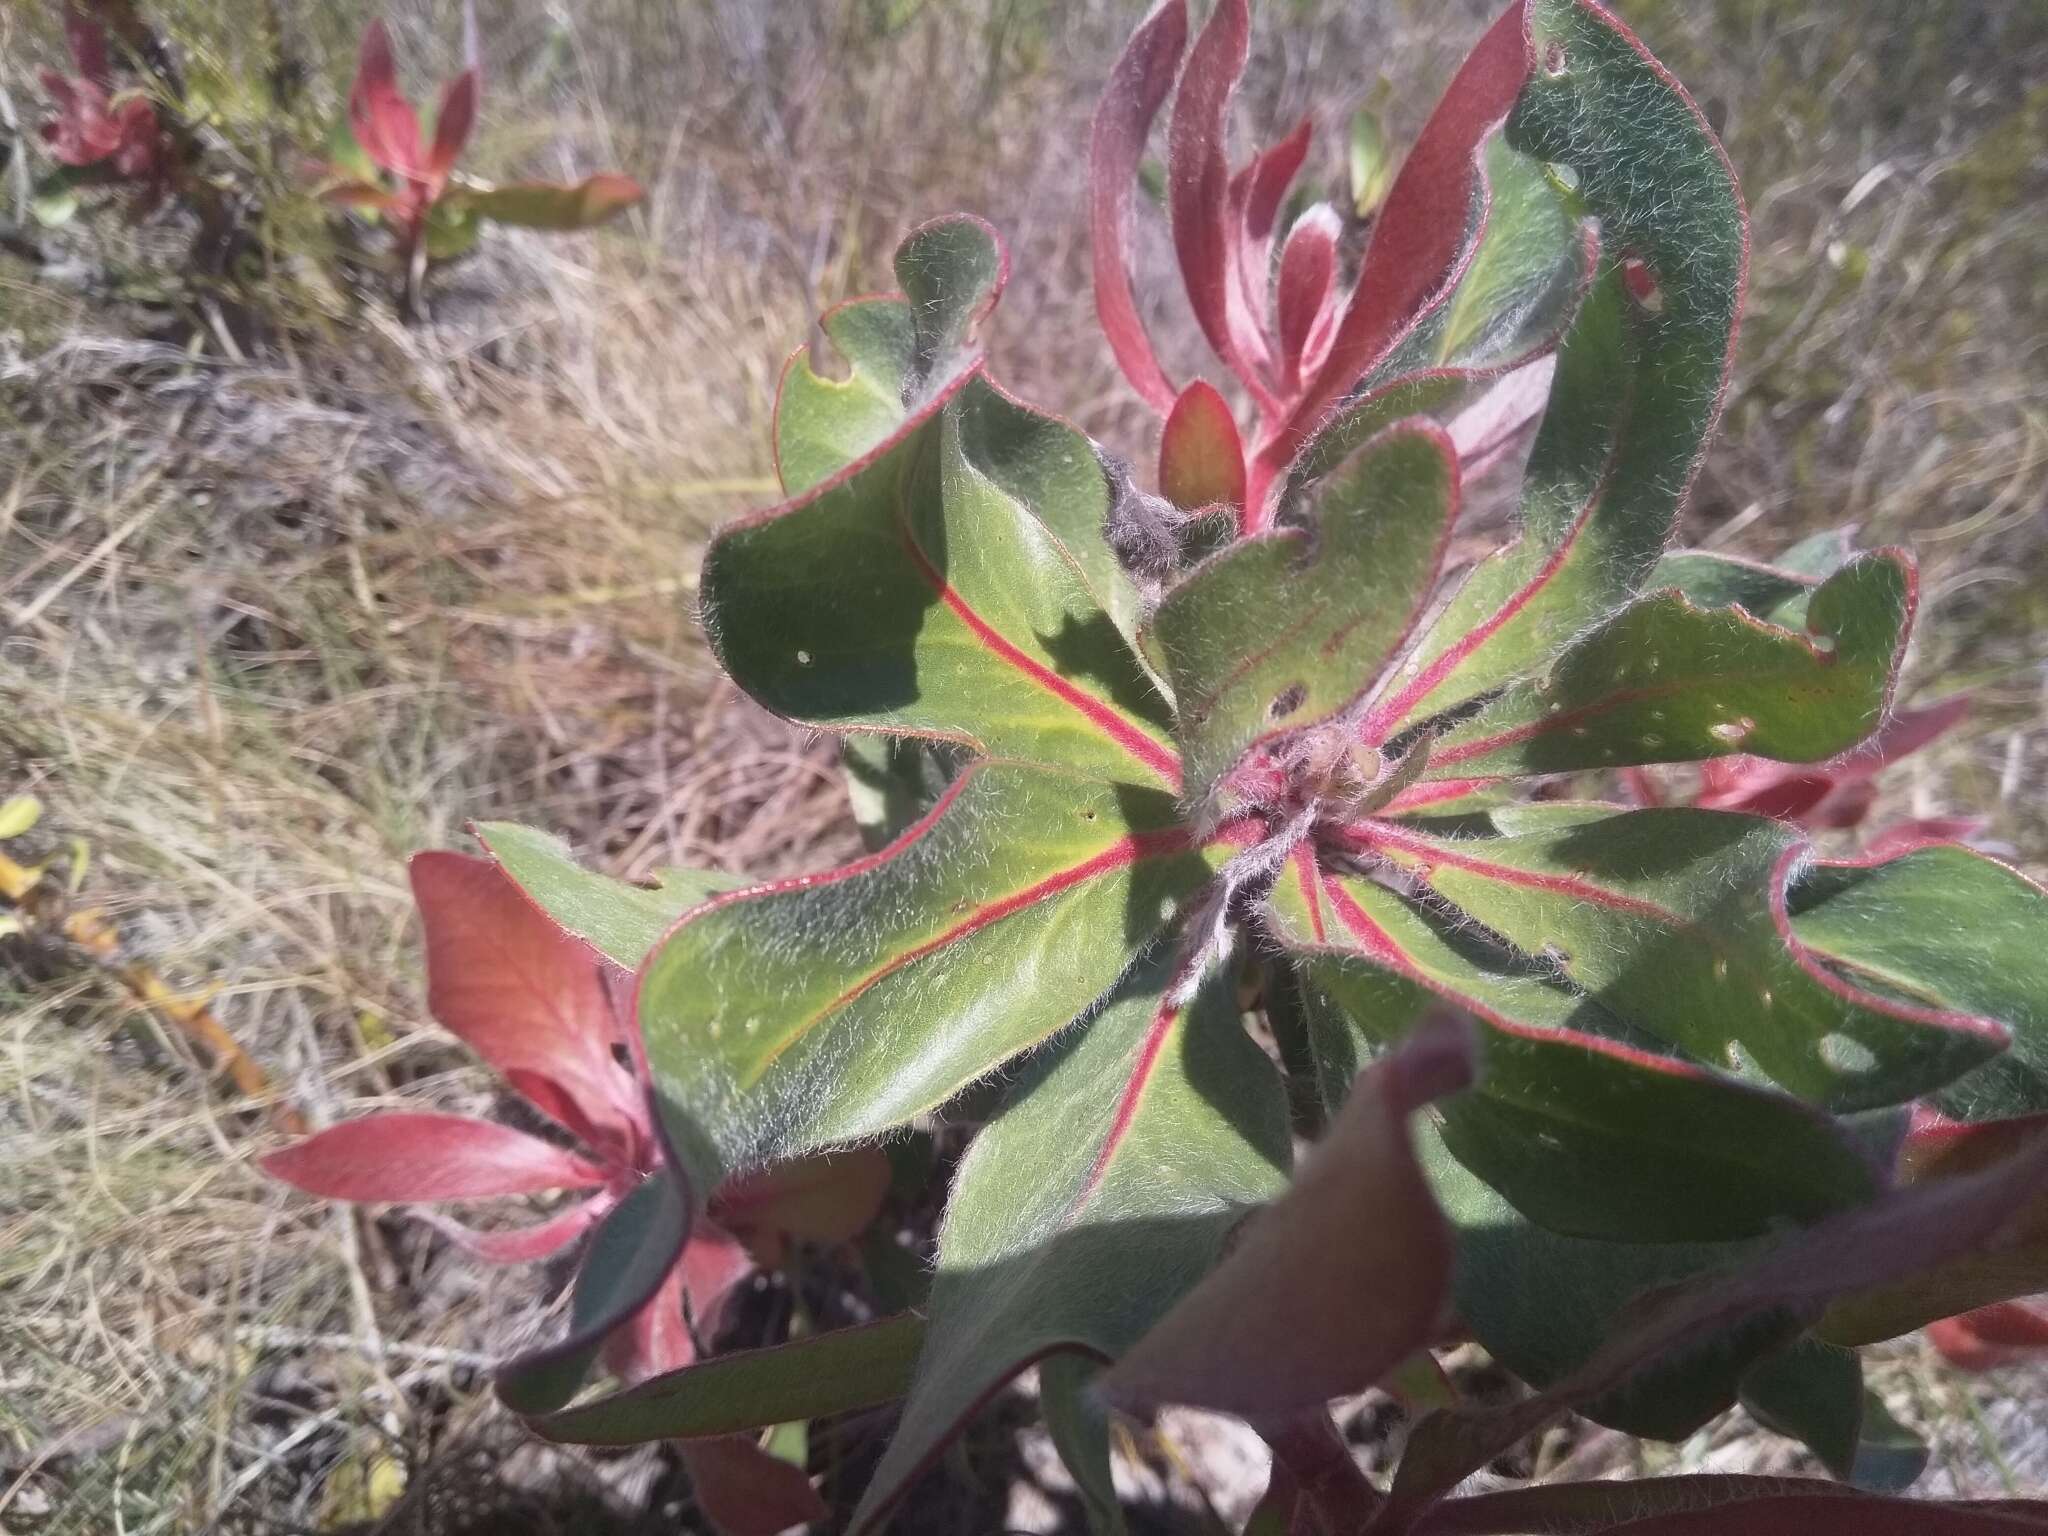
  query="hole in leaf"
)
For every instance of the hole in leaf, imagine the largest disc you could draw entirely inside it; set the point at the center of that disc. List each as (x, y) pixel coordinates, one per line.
(1288, 700)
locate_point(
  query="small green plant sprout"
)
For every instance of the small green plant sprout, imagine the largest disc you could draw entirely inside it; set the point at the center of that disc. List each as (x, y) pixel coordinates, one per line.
(385, 166)
(1203, 823)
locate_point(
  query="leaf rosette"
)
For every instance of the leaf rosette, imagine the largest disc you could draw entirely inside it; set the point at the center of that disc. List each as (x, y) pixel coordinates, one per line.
(1124, 802)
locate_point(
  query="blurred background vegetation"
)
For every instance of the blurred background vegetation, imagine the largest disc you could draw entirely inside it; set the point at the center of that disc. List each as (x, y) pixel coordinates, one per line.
(289, 589)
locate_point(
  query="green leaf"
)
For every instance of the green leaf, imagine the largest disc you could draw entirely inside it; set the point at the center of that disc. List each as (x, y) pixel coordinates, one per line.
(1666, 682)
(825, 422)
(628, 1257)
(346, 157)
(1723, 581)
(1812, 1392)
(551, 205)
(1102, 1193)
(897, 361)
(623, 922)
(1889, 1456)
(1894, 1240)
(832, 1007)
(1355, 577)
(1079, 1425)
(1574, 1121)
(1542, 1304)
(1639, 381)
(971, 621)
(790, 1442)
(902, 358)
(1712, 1503)
(1947, 928)
(1674, 920)
(747, 1390)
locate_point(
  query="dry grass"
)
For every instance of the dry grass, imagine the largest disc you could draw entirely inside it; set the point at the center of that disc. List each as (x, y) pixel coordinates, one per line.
(273, 621)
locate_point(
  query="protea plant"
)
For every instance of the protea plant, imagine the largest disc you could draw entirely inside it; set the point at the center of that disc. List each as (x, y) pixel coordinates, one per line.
(1189, 790)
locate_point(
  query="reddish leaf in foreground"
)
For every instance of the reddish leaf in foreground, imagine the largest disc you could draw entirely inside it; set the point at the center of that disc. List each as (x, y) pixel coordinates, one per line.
(87, 40)
(411, 1157)
(1359, 1243)
(528, 1244)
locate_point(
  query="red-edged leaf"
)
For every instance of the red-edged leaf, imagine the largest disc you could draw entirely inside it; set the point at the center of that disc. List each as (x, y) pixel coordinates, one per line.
(1990, 1336)
(1423, 221)
(823, 1199)
(1724, 1505)
(1103, 1190)
(744, 1491)
(1585, 1134)
(384, 121)
(453, 125)
(521, 993)
(412, 1157)
(1308, 278)
(1617, 905)
(1137, 86)
(1201, 457)
(523, 1245)
(1198, 194)
(1357, 1247)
